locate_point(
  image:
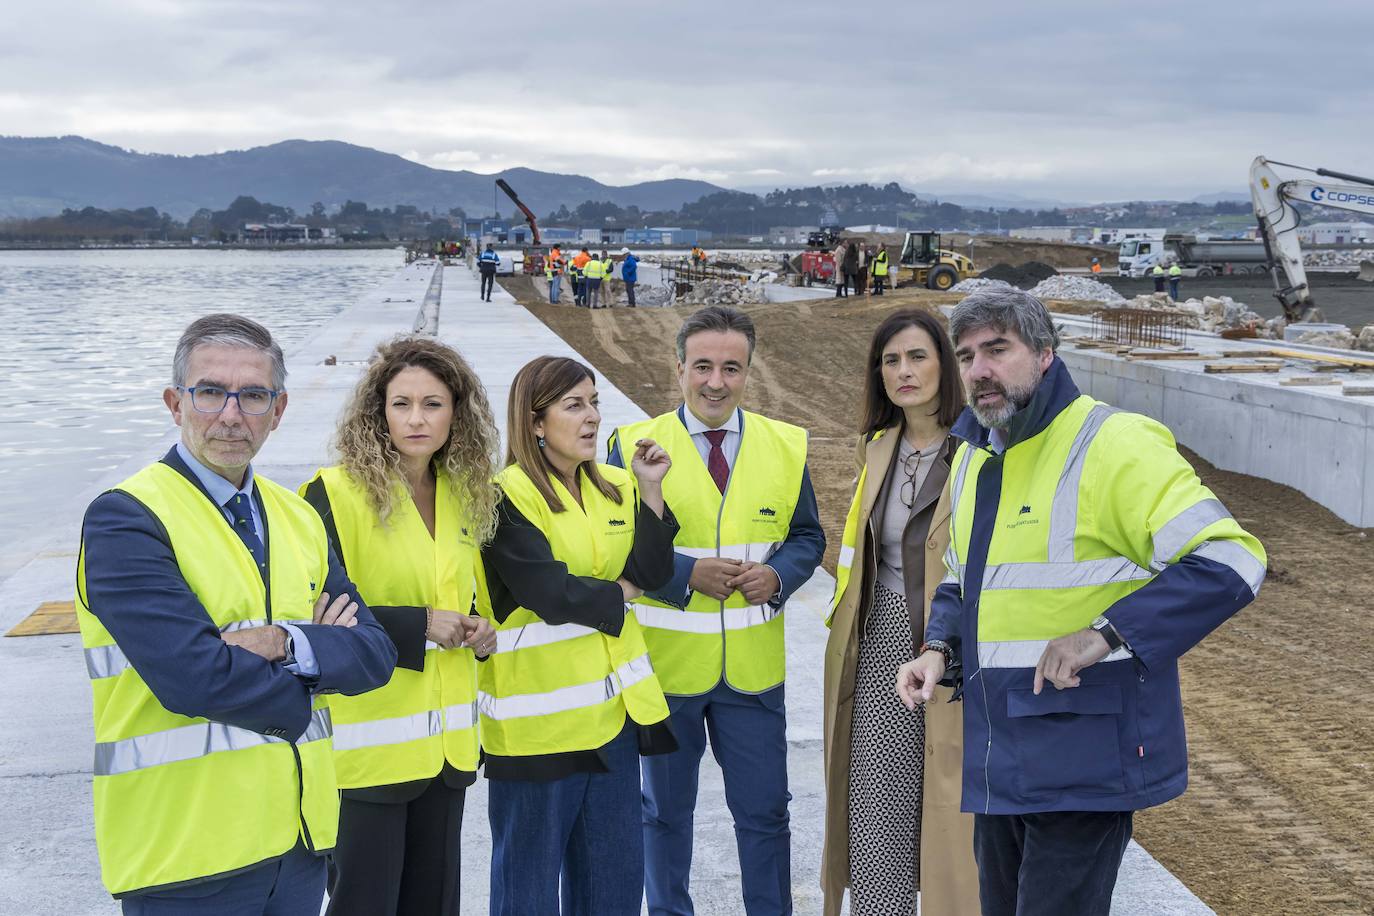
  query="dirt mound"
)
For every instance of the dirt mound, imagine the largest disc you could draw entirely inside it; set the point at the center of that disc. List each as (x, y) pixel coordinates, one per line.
(1023, 276)
(1038, 269)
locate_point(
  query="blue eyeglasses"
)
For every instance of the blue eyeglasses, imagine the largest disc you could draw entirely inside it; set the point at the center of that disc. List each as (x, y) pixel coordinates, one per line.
(253, 401)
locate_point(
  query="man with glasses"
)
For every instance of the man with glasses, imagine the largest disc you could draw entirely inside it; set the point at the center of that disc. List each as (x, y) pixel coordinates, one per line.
(213, 617)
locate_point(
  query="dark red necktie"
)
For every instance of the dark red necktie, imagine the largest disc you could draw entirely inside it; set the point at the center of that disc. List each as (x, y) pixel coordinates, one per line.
(715, 461)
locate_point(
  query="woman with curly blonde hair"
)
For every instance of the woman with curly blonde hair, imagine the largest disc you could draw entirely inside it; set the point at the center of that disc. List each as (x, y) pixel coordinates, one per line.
(407, 510)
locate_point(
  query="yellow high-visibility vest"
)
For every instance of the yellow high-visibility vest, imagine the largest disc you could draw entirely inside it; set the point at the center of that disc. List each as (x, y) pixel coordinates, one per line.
(181, 799)
(594, 269)
(551, 689)
(406, 729)
(1056, 561)
(880, 264)
(694, 648)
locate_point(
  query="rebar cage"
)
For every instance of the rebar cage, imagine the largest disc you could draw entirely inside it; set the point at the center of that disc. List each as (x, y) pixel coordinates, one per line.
(1141, 327)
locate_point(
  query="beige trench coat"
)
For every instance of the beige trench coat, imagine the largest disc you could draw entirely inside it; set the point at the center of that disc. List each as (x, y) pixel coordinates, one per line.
(949, 877)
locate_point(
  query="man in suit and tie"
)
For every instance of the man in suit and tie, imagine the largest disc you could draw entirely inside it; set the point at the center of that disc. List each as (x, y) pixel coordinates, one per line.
(750, 536)
(213, 618)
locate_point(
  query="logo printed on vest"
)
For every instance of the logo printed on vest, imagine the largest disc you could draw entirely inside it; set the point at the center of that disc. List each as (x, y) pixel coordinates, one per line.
(616, 522)
(768, 511)
(1025, 510)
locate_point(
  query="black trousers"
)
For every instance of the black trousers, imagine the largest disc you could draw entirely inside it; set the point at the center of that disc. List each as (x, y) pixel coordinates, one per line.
(1050, 864)
(879, 283)
(488, 281)
(399, 858)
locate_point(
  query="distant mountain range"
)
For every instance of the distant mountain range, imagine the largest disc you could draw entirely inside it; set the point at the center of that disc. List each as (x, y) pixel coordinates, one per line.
(40, 176)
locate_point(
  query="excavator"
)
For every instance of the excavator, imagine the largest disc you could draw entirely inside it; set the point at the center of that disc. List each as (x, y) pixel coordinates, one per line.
(1273, 197)
(534, 254)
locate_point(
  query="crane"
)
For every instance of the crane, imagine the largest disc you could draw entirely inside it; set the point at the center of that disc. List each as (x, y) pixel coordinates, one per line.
(533, 255)
(1273, 197)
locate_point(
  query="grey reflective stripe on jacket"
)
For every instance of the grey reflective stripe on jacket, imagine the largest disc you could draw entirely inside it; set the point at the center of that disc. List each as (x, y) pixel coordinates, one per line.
(189, 742)
(565, 699)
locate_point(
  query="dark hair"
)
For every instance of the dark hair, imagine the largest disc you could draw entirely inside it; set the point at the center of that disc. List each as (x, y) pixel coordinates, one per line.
(536, 387)
(1008, 309)
(879, 412)
(715, 318)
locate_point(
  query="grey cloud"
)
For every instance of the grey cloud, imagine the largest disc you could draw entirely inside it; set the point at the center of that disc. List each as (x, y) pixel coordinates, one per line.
(1168, 99)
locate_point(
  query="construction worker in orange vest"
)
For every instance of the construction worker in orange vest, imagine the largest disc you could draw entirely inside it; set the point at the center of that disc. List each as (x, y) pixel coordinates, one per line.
(553, 270)
(579, 263)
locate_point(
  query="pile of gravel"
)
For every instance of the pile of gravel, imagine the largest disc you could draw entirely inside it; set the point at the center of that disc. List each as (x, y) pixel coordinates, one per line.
(1068, 286)
(972, 283)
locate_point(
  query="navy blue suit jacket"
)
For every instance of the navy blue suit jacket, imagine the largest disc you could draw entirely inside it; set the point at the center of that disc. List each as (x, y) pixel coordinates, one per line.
(795, 559)
(135, 589)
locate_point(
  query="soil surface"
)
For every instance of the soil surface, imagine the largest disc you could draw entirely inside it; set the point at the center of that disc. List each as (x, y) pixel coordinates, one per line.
(1278, 818)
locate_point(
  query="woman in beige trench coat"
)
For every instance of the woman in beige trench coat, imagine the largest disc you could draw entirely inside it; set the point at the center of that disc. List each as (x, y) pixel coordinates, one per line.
(912, 395)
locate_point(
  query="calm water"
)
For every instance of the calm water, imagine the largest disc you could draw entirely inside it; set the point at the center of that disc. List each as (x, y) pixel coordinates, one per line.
(86, 348)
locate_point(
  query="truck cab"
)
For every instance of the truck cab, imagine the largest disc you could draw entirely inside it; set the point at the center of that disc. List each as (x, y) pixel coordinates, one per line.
(1137, 252)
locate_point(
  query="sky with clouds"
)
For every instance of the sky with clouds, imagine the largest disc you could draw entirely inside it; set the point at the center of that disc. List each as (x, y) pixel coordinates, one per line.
(1073, 101)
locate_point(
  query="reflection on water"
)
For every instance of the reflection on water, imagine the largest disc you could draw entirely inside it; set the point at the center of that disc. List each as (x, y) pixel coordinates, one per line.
(86, 348)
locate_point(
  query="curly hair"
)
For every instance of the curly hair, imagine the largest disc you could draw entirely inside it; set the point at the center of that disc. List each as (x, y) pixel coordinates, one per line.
(468, 456)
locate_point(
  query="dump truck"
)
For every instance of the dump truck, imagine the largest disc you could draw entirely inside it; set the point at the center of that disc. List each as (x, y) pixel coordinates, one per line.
(1208, 258)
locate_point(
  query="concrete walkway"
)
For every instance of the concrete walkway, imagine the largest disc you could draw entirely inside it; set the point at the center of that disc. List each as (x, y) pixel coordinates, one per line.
(47, 850)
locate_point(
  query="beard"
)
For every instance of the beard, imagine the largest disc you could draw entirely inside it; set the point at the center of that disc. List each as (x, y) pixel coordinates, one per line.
(1014, 398)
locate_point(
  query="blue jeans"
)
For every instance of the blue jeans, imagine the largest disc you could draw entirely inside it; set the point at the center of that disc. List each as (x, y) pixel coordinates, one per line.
(749, 739)
(584, 827)
(555, 287)
(1173, 289)
(290, 886)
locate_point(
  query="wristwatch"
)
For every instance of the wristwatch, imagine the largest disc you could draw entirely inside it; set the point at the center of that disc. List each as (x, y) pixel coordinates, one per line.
(289, 648)
(1104, 626)
(938, 645)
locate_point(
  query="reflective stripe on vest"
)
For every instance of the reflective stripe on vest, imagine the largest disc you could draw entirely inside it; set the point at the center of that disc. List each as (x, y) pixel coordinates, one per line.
(566, 699)
(747, 523)
(555, 688)
(1026, 653)
(108, 661)
(537, 633)
(399, 732)
(1073, 584)
(192, 741)
(158, 774)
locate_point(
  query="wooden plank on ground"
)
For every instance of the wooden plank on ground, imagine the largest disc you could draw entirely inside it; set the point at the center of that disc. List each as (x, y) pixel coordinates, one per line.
(1358, 391)
(1247, 354)
(1351, 361)
(1300, 381)
(1216, 368)
(1166, 354)
(51, 618)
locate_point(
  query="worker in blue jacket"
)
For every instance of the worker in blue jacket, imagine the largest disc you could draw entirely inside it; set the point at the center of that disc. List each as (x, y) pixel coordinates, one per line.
(629, 272)
(488, 263)
(1085, 559)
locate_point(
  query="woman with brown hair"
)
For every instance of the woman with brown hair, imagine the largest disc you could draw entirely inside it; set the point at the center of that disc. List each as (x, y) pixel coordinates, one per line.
(569, 699)
(892, 824)
(406, 510)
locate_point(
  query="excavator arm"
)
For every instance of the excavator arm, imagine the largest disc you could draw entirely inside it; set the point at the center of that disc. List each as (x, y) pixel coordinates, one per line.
(1273, 198)
(529, 217)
